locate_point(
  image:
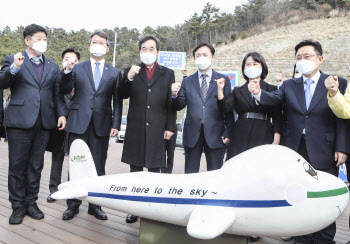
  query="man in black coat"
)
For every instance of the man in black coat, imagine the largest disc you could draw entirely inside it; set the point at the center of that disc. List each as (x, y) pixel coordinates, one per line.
(56, 143)
(91, 117)
(151, 116)
(35, 100)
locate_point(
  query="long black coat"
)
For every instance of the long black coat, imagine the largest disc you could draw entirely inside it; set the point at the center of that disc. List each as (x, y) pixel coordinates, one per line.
(249, 133)
(150, 113)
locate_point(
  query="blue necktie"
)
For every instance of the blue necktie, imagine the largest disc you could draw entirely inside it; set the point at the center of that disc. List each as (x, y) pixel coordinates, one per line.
(97, 76)
(308, 94)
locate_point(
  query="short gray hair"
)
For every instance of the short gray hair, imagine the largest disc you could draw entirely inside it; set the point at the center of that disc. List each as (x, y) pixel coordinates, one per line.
(99, 33)
(146, 38)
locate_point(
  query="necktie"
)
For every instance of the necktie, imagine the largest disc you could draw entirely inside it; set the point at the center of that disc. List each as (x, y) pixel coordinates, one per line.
(36, 60)
(97, 76)
(308, 94)
(204, 86)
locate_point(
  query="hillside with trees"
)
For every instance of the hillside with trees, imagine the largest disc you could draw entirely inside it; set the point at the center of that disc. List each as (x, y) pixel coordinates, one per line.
(210, 25)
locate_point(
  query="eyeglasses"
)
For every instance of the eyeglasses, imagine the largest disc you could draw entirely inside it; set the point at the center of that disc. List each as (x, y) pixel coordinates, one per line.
(307, 57)
(98, 42)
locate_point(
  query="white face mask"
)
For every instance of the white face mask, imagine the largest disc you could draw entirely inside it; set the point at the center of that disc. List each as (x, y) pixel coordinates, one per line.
(39, 47)
(297, 75)
(278, 84)
(253, 72)
(203, 63)
(148, 58)
(65, 64)
(98, 50)
(306, 67)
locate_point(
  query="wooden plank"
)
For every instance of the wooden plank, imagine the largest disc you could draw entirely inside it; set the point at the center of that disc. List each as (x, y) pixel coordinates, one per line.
(11, 237)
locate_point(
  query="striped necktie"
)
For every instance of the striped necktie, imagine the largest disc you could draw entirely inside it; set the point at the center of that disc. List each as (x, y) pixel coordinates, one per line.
(204, 86)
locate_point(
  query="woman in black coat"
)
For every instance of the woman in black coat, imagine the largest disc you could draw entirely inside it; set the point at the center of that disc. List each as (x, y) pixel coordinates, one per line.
(254, 126)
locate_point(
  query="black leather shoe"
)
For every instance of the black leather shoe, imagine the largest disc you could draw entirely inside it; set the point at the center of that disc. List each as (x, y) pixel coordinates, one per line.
(98, 213)
(17, 216)
(70, 213)
(34, 212)
(252, 239)
(131, 219)
(50, 199)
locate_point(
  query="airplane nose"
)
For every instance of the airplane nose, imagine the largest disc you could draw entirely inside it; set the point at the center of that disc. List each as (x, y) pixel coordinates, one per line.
(295, 193)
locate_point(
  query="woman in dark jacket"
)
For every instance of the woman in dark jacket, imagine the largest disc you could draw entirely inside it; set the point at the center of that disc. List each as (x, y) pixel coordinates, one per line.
(254, 126)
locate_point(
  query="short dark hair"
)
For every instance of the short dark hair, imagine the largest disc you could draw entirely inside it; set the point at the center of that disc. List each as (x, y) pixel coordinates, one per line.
(30, 30)
(71, 50)
(257, 57)
(317, 46)
(204, 44)
(146, 38)
(99, 33)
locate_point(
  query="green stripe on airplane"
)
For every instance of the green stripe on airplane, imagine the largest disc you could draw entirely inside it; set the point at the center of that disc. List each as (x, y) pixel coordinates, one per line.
(330, 193)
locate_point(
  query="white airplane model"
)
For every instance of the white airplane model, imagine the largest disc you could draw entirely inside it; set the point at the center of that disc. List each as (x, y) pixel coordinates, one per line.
(266, 191)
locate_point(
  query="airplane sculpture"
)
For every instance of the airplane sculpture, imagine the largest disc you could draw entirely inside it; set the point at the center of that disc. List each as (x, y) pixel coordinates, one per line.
(269, 190)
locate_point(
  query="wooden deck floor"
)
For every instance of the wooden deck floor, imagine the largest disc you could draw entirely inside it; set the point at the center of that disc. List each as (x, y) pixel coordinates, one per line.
(85, 228)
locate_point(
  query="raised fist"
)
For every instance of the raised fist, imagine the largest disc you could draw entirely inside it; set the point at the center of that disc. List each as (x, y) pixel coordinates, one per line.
(18, 60)
(332, 85)
(221, 83)
(254, 86)
(133, 71)
(175, 88)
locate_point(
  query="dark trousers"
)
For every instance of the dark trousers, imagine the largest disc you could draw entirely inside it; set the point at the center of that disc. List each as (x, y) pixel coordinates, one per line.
(327, 234)
(26, 161)
(56, 159)
(169, 154)
(215, 157)
(134, 168)
(98, 146)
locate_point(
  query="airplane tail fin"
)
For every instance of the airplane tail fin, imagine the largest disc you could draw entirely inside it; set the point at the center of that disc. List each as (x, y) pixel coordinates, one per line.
(81, 163)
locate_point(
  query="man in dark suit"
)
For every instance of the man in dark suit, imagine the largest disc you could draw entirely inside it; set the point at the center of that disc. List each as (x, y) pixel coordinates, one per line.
(91, 117)
(34, 82)
(312, 128)
(57, 143)
(151, 116)
(206, 128)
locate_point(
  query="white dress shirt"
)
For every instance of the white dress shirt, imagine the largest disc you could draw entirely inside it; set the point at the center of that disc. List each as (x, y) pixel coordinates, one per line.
(93, 66)
(208, 78)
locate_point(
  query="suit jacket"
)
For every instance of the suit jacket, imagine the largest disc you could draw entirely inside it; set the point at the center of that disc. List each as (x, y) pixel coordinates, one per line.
(90, 103)
(214, 122)
(2, 106)
(249, 133)
(29, 97)
(325, 133)
(150, 114)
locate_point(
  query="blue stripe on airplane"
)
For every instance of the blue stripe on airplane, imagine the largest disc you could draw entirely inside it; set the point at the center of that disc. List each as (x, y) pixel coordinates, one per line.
(196, 201)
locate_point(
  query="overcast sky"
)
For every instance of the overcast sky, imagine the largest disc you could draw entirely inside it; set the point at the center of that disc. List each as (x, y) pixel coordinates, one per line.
(99, 14)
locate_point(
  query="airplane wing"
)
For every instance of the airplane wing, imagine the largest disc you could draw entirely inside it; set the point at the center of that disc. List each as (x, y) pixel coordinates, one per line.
(70, 193)
(207, 222)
